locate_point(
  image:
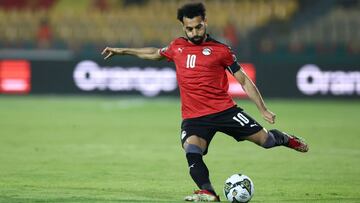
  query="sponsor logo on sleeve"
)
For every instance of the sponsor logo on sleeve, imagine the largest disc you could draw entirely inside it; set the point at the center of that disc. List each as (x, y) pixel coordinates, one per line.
(234, 58)
(163, 49)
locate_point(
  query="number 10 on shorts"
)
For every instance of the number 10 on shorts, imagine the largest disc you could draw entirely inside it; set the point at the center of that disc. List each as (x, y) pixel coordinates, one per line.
(240, 118)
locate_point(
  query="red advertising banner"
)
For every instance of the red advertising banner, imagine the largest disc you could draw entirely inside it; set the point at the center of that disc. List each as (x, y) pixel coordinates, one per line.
(15, 77)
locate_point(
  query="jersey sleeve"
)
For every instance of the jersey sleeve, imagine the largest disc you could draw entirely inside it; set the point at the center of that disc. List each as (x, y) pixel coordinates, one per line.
(167, 52)
(230, 61)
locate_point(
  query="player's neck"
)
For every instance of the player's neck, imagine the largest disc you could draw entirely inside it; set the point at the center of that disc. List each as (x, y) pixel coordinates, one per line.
(205, 38)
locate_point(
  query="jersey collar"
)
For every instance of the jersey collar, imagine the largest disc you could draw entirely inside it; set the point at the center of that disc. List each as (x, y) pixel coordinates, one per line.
(208, 38)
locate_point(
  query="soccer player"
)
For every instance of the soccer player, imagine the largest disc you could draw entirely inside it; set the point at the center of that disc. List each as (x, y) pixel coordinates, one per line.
(201, 65)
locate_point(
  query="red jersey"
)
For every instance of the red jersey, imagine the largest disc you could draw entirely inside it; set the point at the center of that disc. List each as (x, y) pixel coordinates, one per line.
(200, 72)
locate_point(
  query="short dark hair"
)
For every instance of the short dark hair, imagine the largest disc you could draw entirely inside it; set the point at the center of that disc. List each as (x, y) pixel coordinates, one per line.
(191, 10)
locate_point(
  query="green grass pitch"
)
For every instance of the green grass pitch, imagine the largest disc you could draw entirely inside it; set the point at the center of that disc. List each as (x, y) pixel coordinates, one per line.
(116, 149)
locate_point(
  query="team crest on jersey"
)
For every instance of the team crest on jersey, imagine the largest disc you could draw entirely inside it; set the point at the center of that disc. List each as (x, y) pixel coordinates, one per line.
(206, 51)
(180, 50)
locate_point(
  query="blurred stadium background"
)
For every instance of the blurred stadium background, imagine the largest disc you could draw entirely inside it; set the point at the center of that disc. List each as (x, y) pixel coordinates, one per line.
(76, 133)
(45, 40)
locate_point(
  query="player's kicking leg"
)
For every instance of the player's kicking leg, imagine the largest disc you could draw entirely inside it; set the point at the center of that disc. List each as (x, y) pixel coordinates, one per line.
(273, 138)
(194, 147)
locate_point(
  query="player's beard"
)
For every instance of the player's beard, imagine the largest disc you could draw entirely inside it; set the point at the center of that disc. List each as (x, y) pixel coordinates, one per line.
(196, 39)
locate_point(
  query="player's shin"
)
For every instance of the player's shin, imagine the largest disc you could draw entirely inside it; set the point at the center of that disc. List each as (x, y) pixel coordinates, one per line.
(198, 169)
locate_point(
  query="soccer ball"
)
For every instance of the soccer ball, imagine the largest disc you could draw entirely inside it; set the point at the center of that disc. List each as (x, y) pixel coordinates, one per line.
(239, 188)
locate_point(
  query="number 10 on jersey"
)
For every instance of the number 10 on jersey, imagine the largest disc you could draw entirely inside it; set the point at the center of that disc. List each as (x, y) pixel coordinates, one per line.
(190, 61)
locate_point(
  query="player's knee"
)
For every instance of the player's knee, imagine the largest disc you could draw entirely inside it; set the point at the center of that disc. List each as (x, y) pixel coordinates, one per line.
(195, 141)
(259, 138)
(274, 138)
(270, 141)
(192, 148)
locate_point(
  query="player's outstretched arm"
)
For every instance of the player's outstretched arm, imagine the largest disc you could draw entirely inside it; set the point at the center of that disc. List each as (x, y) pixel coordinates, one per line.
(254, 94)
(149, 53)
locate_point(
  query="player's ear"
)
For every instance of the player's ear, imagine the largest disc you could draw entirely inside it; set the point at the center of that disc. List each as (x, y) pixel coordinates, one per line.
(205, 21)
(183, 27)
(182, 22)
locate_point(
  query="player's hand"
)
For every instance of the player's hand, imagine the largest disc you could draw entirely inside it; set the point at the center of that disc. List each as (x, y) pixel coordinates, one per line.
(109, 52)
(269, 116)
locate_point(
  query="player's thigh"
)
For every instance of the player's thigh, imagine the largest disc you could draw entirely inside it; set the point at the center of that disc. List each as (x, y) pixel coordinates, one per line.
(258, 138)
